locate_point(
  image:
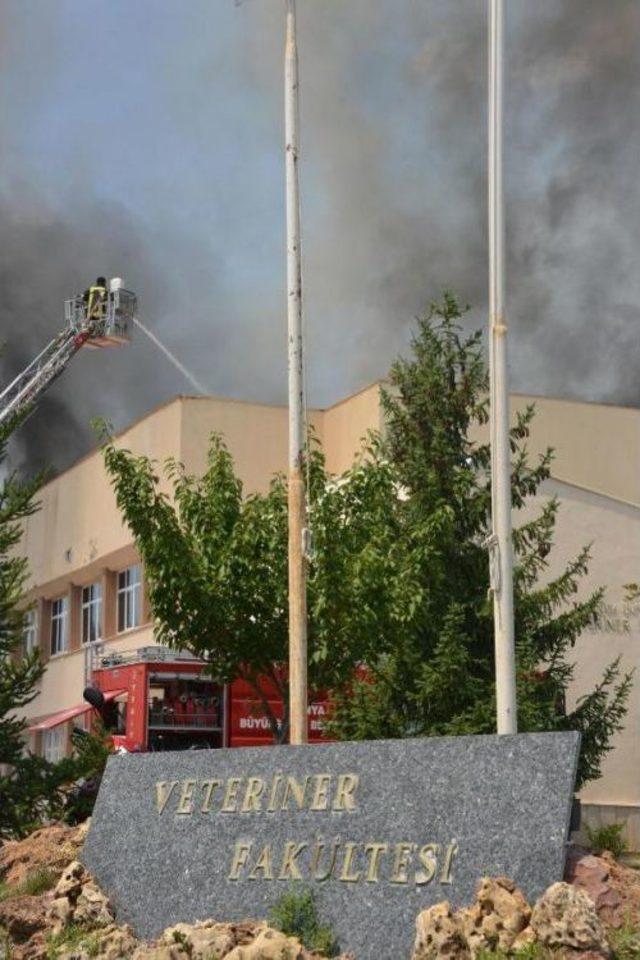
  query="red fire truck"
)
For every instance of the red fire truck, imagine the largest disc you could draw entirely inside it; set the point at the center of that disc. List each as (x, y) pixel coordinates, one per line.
(157, 699)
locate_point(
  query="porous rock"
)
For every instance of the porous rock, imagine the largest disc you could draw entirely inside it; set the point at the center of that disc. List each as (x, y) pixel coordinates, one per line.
(440, 933)
(59, 913)
(524, 939)
(22, 917)
(160, 951)
(111, 943)
(70, 883)
(49, 848)
(203, 939)
(92, 907)
(116, 942)
(499, 915)
(614, 888)
(269, 945)
(566, 917)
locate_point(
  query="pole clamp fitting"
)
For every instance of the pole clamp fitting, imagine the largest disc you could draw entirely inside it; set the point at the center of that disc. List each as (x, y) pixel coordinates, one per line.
(492, 544)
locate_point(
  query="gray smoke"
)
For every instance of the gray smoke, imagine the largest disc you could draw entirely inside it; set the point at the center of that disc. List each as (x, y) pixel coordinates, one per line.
(394, 168)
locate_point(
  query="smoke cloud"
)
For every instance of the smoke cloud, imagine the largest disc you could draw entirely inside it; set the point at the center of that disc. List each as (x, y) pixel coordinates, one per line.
(165, 167)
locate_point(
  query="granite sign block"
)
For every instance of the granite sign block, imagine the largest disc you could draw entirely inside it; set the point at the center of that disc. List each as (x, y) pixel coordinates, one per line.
(378, 830)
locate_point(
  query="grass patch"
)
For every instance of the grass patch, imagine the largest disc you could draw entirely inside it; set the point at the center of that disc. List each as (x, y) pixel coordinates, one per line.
(529, 951)
(76, 936)
(296, 914)
(608, 838)
(625, 942)
(33, 885)
(6, 950)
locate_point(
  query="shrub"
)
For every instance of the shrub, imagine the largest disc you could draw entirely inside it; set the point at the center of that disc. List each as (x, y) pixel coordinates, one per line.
(90, 754)
(608, 838)
(296, 914)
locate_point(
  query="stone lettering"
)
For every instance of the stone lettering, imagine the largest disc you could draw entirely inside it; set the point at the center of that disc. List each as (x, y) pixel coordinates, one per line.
(322, 875)
(376, 850)
(295, 789)
(164, 790)
(347, 874)
(185, 803)
(345, 792)
(209, 787)
(240, 857)
(273, 799)
(427, 856)
(231, 795)
(445, 876)
(292, 851)
(263, 863)
(320, 799)
(255, 787)
(401, 862)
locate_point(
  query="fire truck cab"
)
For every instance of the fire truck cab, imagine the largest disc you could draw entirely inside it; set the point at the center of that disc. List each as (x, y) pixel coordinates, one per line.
(159, 699)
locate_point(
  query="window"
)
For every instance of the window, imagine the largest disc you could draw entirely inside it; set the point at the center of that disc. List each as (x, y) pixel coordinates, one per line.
(30, 634)
(54, 743)
(58, 625)
(91, 613)
(129, 598)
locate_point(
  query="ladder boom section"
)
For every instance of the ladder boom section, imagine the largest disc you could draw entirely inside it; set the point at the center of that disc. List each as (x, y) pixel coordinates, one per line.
(103, 322)
(41, 372)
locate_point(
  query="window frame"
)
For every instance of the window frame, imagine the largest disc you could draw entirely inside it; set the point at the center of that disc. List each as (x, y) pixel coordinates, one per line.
(54, 743)
(59, 630)
(91, 613)
(129, 598)
(30, 636)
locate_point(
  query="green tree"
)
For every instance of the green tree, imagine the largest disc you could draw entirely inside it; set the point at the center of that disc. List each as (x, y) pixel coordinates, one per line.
(398, 577)
(434, 673)
(28, 782)
(30, 787)
(216, 566)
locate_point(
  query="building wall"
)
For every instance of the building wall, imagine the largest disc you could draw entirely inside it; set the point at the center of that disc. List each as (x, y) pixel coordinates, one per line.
(78, 537)
(346, 425)
(613, 530)
(256, 435)
(597, 446)
(79, 525)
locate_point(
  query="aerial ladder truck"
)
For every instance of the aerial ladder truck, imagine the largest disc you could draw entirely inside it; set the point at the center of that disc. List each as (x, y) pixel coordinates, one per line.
(93, 325)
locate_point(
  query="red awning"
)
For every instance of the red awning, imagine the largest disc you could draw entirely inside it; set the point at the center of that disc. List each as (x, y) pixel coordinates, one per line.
(55, 719)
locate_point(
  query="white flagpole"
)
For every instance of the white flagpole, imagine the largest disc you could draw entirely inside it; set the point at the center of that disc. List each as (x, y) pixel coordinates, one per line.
(297, 494)
(500, 541)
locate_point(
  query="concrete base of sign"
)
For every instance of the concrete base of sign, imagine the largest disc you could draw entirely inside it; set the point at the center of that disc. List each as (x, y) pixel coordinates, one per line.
(378, 830)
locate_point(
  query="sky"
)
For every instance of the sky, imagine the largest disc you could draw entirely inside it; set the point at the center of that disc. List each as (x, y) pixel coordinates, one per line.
(144, 139)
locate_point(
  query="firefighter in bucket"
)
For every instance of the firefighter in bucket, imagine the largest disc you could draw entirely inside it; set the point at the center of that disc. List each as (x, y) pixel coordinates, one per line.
(95, 299)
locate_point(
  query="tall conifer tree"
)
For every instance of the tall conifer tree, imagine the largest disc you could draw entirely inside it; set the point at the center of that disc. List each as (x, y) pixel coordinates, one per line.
(435, 674)
(30, 787)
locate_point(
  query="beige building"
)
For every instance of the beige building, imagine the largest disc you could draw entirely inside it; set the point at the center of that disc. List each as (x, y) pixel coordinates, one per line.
(87, 584)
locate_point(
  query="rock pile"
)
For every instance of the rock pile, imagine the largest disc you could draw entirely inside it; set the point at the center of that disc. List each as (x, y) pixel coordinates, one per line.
(613, 887)
(77, 899)
(79, 903)
(74, 920)
(51, 848)
(564, 919)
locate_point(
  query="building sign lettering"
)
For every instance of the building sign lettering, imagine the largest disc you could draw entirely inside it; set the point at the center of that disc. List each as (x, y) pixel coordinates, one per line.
(377, 831)
(319, 859)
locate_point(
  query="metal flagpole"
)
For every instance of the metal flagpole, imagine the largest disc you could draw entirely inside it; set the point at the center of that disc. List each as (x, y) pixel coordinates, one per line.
(500, 544)
(297, 495)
